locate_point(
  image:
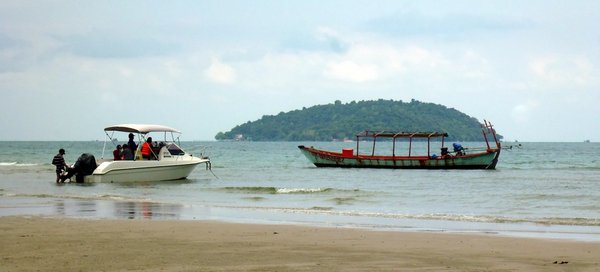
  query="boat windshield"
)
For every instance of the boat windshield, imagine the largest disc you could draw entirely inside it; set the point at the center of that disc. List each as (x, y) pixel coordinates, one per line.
(174, 149)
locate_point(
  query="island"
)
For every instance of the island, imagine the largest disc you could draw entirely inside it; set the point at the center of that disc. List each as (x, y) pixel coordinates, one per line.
(342, 121)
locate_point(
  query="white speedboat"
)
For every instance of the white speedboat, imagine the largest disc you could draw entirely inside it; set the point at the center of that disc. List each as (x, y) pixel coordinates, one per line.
(169, 161)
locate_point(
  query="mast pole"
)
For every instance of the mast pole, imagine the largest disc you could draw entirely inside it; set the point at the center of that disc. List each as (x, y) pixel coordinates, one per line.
(494, 134)
(483, 128)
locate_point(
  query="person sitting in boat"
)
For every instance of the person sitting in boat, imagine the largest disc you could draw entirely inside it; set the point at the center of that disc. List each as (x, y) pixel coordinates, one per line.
(117, 156)
(458, 149)
(445, 154)
(147, 149)
(127, 154)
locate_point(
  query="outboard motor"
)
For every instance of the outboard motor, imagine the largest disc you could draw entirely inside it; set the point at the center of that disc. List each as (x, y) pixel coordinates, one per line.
(85, 165)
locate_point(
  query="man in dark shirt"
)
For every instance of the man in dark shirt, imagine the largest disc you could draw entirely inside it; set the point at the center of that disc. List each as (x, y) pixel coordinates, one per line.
(60, 164)
(131, 144)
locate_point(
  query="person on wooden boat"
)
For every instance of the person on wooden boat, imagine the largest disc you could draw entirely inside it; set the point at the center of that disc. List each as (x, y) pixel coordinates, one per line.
(61, 165)
(445, 154)
(117, 156)
(458, 149)
(127, 154)
(147, 149)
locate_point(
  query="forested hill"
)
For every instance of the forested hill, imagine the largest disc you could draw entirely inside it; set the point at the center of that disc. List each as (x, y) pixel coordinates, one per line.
(340, 121)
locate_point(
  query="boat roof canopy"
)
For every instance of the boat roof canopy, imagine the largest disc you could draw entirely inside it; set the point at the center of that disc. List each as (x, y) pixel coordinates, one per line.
(140, 128)
(401, 134)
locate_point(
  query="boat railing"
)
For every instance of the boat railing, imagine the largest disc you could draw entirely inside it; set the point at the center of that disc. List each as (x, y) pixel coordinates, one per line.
(488, 131)
(394, 135)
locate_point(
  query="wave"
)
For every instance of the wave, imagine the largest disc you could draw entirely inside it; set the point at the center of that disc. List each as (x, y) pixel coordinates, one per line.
(302, 190)
(330, 211)
(17, 164)
(592, 166)
(275, 190)
(90, 197)
(344, 200)
(438, 217)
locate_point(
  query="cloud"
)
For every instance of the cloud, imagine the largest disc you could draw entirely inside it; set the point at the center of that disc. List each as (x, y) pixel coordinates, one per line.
(323, 39)
(414, 23)
(352, 71)
(112, 44)
(220, 72)
(382, 60)
(522, 113)
(562, 70)
(18, 54)
(333, 39)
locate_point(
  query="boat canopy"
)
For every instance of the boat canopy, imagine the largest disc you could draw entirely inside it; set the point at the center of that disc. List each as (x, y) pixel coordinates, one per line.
(399, 134)
(140, 128)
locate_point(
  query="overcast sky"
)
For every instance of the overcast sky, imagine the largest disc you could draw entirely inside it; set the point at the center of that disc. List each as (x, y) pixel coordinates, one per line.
(70, 68)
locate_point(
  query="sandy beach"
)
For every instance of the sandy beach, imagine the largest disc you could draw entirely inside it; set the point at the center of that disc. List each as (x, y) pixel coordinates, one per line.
(57, 244)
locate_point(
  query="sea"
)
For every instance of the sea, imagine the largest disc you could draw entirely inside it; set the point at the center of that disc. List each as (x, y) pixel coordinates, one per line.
(538, 190)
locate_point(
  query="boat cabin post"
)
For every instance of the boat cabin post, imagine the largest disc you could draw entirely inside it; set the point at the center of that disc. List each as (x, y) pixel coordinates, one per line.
(428, 144)
(410, 144)
(357, 142)
(394, 145)
(374, 141)
(443, 141)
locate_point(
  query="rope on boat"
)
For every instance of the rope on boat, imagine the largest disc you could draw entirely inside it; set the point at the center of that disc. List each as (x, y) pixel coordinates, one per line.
(209, 168)
(511, 146)
(483, 148)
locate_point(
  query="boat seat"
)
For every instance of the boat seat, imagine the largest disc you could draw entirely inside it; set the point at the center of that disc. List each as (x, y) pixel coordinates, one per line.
(164, 153)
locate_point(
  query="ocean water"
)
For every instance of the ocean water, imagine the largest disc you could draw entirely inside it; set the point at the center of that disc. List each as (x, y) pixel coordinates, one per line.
(547, 190)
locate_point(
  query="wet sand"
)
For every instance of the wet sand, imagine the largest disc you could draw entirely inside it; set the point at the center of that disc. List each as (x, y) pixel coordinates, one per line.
(58, 244)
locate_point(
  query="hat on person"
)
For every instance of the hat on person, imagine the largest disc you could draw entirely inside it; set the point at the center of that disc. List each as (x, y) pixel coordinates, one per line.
(61, 151)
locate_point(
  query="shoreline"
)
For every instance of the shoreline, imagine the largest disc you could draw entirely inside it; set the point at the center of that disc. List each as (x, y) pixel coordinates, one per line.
(33, 243)
(114, 209)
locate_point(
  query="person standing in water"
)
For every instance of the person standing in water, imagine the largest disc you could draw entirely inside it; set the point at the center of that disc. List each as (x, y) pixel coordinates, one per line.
(61, 165)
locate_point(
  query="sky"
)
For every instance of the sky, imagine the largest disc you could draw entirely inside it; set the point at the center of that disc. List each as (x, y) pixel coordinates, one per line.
(70, 68)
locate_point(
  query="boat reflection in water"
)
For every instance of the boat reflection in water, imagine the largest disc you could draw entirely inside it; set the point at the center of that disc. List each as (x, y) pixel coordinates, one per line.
(115, 209)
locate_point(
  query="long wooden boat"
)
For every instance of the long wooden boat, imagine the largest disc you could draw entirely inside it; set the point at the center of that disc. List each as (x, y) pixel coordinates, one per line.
(459, 158)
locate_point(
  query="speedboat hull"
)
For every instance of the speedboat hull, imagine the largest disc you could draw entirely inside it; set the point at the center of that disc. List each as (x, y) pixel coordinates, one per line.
(144, 170)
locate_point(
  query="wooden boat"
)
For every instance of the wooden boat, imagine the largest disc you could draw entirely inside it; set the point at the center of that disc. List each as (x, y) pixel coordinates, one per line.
(459, 158)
